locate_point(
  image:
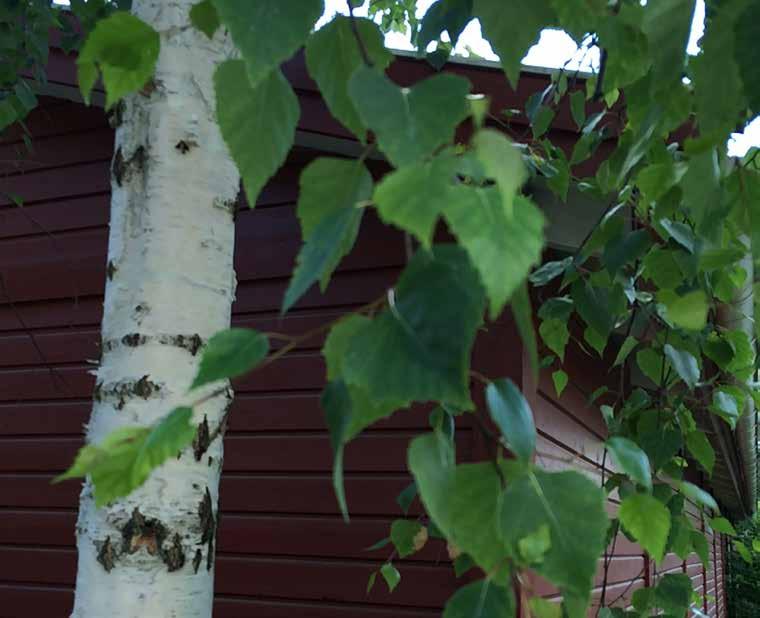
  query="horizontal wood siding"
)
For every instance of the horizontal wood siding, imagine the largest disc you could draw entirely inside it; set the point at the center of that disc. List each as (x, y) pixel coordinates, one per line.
(284, 549)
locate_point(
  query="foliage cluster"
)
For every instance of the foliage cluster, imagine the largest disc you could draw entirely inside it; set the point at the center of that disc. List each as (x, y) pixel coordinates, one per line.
(744, 570)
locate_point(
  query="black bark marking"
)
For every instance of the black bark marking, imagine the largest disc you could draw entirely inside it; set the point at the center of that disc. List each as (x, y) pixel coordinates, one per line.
(208, 526)
(197, 560)
(202, 439)
(191, 343)
(106, 554)
(228, 205)
(125, 390)
(174, 556)
(144, 388)
(111, 270)
(133, 340)
(116, 115)
(123, 168)
(206, 517)
(117, 166)
(210, 554)
(185, 145)
(142, 532)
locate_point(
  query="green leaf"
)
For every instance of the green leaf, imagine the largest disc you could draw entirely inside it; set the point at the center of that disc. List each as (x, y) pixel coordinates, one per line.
(481, 599)
(628, 57)
(533, 547)
(667, 24)
(673, 593)
(632, 460)
(741, 548)
(126, 457)
(558, 500)
(204, 17)
(406, 497)
(745, 49)
(630, 248)
(598, 306)
(502, 248)
(391, 575)
(409, 123)
(503, 162)
(542, 121)
(681, 233)
(555, 335)
(701, 548)
(523, 316)
(625, 349)
(406, 536)
(510, 411)
(595, 340)
(702, 192)
(550, 271)
(322, 252)
(413, 197)
(272, 127)
(371, 581)
(124, 49)
(661, 267)
(268, 32)
(541, 608)
(414, 355)
(451, 16)
(461, 500)
(725, 405)
(348, 409)
(331, 191)
(332, 57)
(337, 405)
(560, 379)
(512, 29)
(651, 361)
(230, 353)
(684, 363)
(660, 442)
(756, 546)
(698, 495)
(722, 525)
(578, 107)
(701, 449)
(688, 311)
(648, 521)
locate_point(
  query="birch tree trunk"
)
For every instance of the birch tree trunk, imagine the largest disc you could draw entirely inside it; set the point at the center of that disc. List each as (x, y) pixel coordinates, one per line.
(170, 287)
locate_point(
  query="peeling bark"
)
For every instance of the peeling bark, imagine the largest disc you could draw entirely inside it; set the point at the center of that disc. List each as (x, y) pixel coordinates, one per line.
(170, 286)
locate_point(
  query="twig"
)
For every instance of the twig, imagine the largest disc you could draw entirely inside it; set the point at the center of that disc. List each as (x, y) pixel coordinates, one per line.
(600, 76)
(357, 36)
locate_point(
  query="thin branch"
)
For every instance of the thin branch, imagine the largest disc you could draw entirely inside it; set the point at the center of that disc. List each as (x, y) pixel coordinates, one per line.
(357, 36)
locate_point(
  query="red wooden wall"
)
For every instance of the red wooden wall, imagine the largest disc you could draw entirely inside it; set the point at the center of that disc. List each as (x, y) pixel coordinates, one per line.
(283, 548)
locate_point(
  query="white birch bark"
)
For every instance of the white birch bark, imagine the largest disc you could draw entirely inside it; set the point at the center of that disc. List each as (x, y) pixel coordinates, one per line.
(170, 287)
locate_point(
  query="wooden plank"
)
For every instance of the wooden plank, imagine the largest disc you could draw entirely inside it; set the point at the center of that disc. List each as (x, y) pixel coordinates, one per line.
(313, 536)
(273, 577)
(370, 495)
(285, 452)
(57, 151)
